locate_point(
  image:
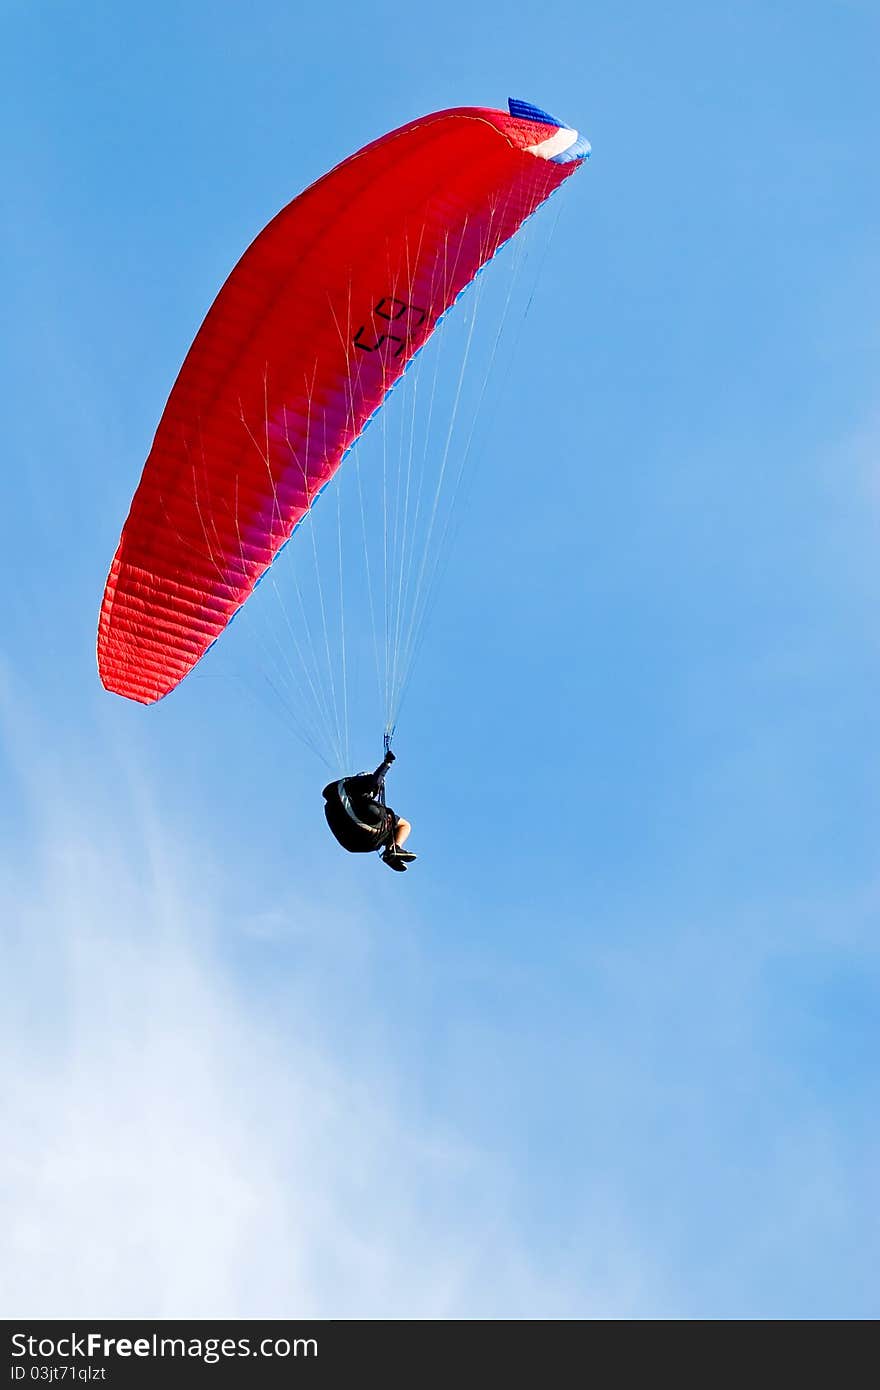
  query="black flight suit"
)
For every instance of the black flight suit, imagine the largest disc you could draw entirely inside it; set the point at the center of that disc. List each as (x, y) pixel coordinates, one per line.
(355, 813)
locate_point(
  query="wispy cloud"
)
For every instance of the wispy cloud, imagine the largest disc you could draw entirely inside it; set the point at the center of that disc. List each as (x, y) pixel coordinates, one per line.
(180, 1143)
(208, 1112)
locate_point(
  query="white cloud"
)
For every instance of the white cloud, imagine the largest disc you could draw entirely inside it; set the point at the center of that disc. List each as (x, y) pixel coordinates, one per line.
(209, 1113)
(184, 1142)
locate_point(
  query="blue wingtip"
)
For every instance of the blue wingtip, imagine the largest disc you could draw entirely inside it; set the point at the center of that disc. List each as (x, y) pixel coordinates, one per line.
(525, 111)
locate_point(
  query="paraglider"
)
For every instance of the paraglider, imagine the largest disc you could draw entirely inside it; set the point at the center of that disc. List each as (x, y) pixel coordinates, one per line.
(313, 327)
(357, 814)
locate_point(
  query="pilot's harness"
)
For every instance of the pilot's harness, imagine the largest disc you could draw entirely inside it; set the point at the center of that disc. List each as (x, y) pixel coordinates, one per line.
(372, 826)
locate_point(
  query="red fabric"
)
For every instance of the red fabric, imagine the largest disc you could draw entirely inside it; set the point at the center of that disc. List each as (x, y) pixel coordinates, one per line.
(314, 325)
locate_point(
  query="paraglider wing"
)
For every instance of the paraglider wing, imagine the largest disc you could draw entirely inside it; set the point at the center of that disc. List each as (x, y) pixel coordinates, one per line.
(312, 328)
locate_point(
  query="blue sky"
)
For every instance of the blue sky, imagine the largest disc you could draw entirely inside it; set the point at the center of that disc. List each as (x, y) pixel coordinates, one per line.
(610, 1049)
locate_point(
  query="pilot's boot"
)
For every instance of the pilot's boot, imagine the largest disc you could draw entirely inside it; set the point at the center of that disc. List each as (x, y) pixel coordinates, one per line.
(397, 858)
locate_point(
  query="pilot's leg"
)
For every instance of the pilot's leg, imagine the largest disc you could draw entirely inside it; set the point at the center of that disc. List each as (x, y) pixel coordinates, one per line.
(395, 856)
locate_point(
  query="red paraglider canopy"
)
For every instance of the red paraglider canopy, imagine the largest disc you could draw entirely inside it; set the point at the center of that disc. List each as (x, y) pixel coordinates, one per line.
(314, 325)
